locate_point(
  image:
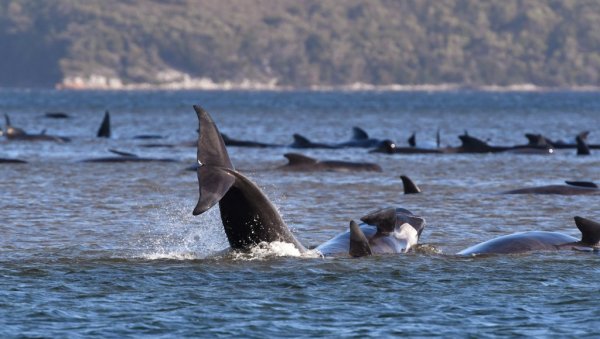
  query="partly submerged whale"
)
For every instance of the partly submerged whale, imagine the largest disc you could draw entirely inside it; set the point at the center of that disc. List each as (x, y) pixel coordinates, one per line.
(299, 162)
(249, 218)
(245, 143)
(571, 188)
(541, 241)
(360, 138)
(126, 157)
(12, 161)
(15, 133)
(301, 141)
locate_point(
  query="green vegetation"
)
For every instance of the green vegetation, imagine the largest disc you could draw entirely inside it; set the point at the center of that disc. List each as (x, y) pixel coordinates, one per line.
(303, 43)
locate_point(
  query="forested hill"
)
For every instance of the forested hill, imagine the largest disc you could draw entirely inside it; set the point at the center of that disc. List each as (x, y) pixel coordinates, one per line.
(297, 43)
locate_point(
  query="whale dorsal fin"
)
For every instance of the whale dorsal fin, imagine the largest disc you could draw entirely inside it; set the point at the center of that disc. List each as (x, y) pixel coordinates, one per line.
(384, 219)
(359, 244)
(301, 141)
(409, 186)
(536, 140)
(581, 184)
(582, 146)
(104, 130)
(299, 159)
(468, 140)
(7, 121)
(225, 137)
(359, 134)
(590, 231)
(412, 140)
(123, 154)
(214, 180)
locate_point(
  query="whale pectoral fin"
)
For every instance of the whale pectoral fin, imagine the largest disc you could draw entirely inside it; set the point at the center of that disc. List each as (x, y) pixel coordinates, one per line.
(384, 219)
(123, 154)
(581, 184)
(359, 134)
(590, 231)
(299, 159)
(359, 244)
(213, 182)
(409, 186)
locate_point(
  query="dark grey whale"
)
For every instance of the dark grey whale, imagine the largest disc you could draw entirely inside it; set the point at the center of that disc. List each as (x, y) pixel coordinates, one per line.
(409, 186)
(245, 143)
(249, 218)
(302, 163)
(126, 157)
(541, 241)
(12, 161)
(360, 138)
(571, 188)
(301, 141)
(15, 133)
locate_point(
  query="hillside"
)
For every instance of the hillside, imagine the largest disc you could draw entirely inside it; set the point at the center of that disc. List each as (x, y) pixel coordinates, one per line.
(115, 43)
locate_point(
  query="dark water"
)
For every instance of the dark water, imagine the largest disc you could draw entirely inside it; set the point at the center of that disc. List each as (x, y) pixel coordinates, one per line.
(113, 250)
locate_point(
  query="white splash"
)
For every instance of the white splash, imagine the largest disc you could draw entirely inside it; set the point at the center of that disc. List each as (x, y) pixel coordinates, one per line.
(176, 234)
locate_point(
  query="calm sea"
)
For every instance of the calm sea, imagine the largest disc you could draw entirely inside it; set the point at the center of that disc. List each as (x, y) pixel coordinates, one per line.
(112, 250)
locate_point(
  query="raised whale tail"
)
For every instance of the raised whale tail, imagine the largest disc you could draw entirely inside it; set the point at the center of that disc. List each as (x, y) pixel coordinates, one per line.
(213, 161)
(104, 130)
(590, 231)
(248, 216)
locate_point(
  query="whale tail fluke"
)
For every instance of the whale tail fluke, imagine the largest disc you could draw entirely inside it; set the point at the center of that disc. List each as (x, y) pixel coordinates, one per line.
(590, 231)
(213, 163)
(359, 244)
(104, 130)
(409, 186)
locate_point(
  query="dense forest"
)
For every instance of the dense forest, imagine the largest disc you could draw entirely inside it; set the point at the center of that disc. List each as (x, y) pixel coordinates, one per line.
(301, 43)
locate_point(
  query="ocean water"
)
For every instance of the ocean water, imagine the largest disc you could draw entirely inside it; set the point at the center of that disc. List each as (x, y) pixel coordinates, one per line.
(112, 249)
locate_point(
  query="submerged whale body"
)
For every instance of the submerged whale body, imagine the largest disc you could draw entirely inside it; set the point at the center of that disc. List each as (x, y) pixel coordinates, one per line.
(249, 218)
(126, 157)
(540, 241)
(299, 162)
(571, 188)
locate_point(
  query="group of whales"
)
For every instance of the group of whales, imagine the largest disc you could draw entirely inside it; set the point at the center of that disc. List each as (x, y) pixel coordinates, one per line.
(250, 219)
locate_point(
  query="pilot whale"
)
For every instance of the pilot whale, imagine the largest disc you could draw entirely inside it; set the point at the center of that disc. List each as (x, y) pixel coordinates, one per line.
(541, 241)
(126, 157)
(571, 188)
(299, 162)
(249, 218)
(15, 133)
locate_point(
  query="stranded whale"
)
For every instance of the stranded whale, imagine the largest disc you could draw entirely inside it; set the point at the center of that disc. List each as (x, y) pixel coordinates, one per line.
(571, 188)
(249, 218)
(299, 162)
(541, 241)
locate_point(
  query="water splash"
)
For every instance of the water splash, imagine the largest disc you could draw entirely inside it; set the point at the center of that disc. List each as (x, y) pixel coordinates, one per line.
(176, 234)
(267, 250)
